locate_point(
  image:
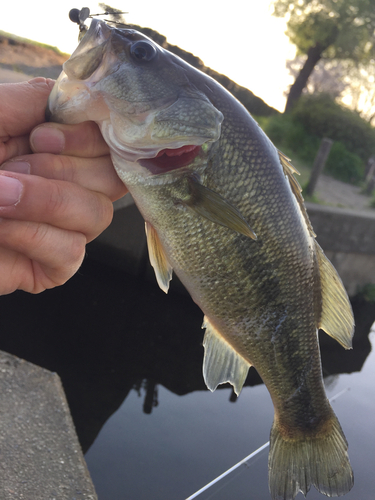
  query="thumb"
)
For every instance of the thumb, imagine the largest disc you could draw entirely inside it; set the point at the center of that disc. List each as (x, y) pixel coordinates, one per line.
(22, 106)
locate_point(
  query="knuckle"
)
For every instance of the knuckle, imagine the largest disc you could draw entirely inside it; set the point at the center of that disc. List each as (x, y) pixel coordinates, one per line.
(63, 263)
(35, 235)
(103, 212)
(64, 167)
(55, 201)
(92, 139)
(76, 252)
(107, 212)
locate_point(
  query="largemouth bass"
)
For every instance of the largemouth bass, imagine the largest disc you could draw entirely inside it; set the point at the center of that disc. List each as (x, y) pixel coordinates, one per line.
(225, 213)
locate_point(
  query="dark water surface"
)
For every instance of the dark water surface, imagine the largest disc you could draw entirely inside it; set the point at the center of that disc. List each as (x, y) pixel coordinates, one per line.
(130, 361)
(189, 440)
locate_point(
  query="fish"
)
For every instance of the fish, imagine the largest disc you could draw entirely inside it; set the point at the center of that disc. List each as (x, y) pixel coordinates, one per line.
(224, 212)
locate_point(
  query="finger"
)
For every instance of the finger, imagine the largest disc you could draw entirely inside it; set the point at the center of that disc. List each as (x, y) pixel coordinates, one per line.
(83, 139)
(23, 105)
(94, 174)
(14, 146)
(35, 257)
(58, 203)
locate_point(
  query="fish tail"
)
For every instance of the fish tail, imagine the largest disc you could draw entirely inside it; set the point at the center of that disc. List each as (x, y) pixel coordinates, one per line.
(296, 464)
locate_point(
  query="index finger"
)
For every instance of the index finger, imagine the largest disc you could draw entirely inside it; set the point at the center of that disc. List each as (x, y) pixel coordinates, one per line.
(82, 140)
(22, 106)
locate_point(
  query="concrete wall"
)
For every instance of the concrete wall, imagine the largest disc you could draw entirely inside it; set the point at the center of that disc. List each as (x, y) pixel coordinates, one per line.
(346, 236)
(348, 239)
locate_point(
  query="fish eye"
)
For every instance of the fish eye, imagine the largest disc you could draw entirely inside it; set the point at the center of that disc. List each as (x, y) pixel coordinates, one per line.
(143, 51)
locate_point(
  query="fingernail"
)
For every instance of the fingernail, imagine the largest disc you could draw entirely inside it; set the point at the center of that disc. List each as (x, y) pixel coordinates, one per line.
(37, 79)
(21, 167)
(47, 139)
(10, 191)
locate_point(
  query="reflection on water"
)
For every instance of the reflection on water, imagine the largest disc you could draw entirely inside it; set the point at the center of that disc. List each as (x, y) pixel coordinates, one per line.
(190, 440)
(130, 360)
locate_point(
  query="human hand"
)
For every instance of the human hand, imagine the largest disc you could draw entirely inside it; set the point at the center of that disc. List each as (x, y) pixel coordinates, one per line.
(47, 218)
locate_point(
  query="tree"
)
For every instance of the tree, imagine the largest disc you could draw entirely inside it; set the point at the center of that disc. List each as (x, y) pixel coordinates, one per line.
(328, 77)
(359, 95)
(334, 29)
(349, 84)
(115, 15)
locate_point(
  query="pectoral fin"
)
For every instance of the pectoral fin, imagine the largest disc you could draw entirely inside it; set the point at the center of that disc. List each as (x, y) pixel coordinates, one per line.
(221, 363)
(336, 316)
(158, 259)
(217, 209)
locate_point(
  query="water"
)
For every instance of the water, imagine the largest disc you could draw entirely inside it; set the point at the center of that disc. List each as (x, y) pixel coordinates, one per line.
(189, 440)
(130, 361)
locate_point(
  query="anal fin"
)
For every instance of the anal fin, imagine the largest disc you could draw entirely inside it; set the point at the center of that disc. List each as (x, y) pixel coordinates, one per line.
(221, 363)
(336, 317)
(163, 270)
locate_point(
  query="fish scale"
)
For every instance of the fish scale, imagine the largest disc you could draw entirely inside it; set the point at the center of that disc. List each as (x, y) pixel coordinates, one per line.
(231, 223)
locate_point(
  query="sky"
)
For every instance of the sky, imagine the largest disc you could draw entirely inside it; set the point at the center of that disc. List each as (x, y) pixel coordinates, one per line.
(239, 38)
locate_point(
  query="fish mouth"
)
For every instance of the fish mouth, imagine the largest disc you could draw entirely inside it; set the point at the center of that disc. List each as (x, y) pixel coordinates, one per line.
(171, 159)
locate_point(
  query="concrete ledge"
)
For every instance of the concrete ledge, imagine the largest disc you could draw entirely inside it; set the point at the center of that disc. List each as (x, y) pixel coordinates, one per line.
(346, 236)
(41, 458)
(348, 239)
(355, 270)
(343, 230)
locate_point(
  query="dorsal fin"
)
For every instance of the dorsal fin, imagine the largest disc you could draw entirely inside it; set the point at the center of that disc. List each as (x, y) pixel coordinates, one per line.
(221, 363)
(336, 317)
(289, 171)
(163, 270)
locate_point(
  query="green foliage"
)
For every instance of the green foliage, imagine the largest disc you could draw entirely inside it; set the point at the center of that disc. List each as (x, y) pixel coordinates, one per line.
(323, 117)
(316, 28)
(367, 292)
(289, 135)
(315, 117)
(344, 165)
(113, 13)
(275, 127)
(333, 29)
(344, 28)
(20, 40)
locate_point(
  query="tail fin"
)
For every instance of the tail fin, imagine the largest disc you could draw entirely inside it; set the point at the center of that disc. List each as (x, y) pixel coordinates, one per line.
(294, 465)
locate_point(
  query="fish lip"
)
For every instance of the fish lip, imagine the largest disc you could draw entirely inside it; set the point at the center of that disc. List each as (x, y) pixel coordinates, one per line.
(170, 159)
(153, 157)
(98, 33)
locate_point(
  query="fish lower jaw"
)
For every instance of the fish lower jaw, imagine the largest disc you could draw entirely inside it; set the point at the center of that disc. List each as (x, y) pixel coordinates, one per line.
(155, 160)
(171, 159)
(159, 159)
(124, 150)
